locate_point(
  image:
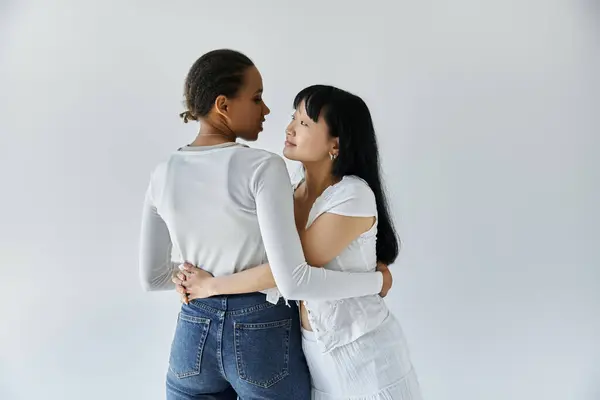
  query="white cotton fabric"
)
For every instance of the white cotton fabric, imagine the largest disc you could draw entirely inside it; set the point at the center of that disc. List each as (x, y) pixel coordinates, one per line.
(356, 349)
(228, 208)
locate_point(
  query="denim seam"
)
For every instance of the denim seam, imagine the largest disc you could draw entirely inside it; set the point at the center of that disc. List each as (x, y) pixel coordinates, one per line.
(250, 310)
(220, 343)
(242, 311)
(194, 319)
(262, 325)
(284, 372)
(205, 323)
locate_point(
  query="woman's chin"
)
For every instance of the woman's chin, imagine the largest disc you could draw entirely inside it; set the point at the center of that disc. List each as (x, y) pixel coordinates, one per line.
(288, 153)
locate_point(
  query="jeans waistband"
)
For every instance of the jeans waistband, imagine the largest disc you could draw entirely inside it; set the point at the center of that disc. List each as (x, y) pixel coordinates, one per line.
(238, 304)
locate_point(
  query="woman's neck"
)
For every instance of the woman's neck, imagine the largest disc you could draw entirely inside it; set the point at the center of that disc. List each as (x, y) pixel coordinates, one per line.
(317, 178)
(212, 134)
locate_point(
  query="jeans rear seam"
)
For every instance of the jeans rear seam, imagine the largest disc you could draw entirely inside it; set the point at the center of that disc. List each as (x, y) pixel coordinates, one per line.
(220, 343)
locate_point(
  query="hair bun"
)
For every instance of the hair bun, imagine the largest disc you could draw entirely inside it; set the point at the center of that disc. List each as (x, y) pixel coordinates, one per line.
(187, 116)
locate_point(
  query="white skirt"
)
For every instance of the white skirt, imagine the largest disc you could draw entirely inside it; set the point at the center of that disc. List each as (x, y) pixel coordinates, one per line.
(376, 366)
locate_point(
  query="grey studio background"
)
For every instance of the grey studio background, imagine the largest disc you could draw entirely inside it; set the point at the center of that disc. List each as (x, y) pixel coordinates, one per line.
(487, 116)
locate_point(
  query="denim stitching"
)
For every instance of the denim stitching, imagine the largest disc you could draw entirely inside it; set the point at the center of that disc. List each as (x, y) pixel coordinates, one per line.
(220, 343)
(194, 319)
(205, 323)
(263, 325)
(242, 311)
(253, 309)
(238, 327)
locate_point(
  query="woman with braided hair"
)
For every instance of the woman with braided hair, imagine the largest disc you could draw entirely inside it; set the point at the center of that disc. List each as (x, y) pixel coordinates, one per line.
(230, 208)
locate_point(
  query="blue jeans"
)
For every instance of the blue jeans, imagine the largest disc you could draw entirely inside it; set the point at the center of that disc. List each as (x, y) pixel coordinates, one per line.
(230, 346)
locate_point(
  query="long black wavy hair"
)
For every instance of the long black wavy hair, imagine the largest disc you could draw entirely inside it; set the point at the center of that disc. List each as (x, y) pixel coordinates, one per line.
(349, 119)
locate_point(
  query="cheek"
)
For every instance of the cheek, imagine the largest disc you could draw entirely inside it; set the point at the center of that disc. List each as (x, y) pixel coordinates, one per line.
(257, 110)
(311, 148)
(249, 114)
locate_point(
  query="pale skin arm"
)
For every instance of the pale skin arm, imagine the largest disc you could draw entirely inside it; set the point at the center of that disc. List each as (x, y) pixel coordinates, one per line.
(326, 238)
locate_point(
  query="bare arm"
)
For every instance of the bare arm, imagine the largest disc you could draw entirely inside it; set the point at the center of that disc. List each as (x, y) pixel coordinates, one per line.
(193, 282)
(296, 280)
(251, 280)
(323, 241)
(330, 234)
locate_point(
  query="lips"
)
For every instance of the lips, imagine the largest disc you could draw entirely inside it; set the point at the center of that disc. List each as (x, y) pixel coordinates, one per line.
(289, 144)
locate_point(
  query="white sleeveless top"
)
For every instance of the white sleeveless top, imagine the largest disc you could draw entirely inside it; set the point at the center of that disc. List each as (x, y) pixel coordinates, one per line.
(339, 322)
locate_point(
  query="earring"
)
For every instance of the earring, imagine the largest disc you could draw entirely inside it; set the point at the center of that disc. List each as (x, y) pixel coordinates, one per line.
(332, 156)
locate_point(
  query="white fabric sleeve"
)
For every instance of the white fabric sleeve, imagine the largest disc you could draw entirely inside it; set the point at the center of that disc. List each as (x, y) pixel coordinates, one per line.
(156, 267)
(352, 197)
(295, 279)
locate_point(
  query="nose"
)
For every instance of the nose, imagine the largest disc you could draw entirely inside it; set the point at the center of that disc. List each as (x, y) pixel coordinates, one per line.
(266, 109)
(289, 130)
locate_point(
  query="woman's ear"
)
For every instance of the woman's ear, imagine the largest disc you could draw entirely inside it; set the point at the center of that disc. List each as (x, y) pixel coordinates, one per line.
(336, 146)
(222, 106)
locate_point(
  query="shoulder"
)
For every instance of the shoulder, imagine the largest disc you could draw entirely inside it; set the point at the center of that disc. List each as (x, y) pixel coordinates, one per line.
(351, 196)
(158, 173)
(157, 179)
(352, 185)
(352, 188)
(266, 160)
(267, 169)
(255, 164)
(255, 158)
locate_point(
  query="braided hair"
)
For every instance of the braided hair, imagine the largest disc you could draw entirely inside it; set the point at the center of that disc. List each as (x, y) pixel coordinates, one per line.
(216, 73)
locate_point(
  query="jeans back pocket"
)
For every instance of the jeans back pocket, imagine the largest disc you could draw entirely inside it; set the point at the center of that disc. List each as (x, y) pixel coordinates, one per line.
(188, 345)
(262, 351)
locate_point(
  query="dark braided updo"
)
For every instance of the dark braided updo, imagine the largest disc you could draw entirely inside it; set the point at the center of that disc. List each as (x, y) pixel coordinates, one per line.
(216, 73)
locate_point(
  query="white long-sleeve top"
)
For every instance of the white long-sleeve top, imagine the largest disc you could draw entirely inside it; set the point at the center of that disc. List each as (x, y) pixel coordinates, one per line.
(228, 208)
